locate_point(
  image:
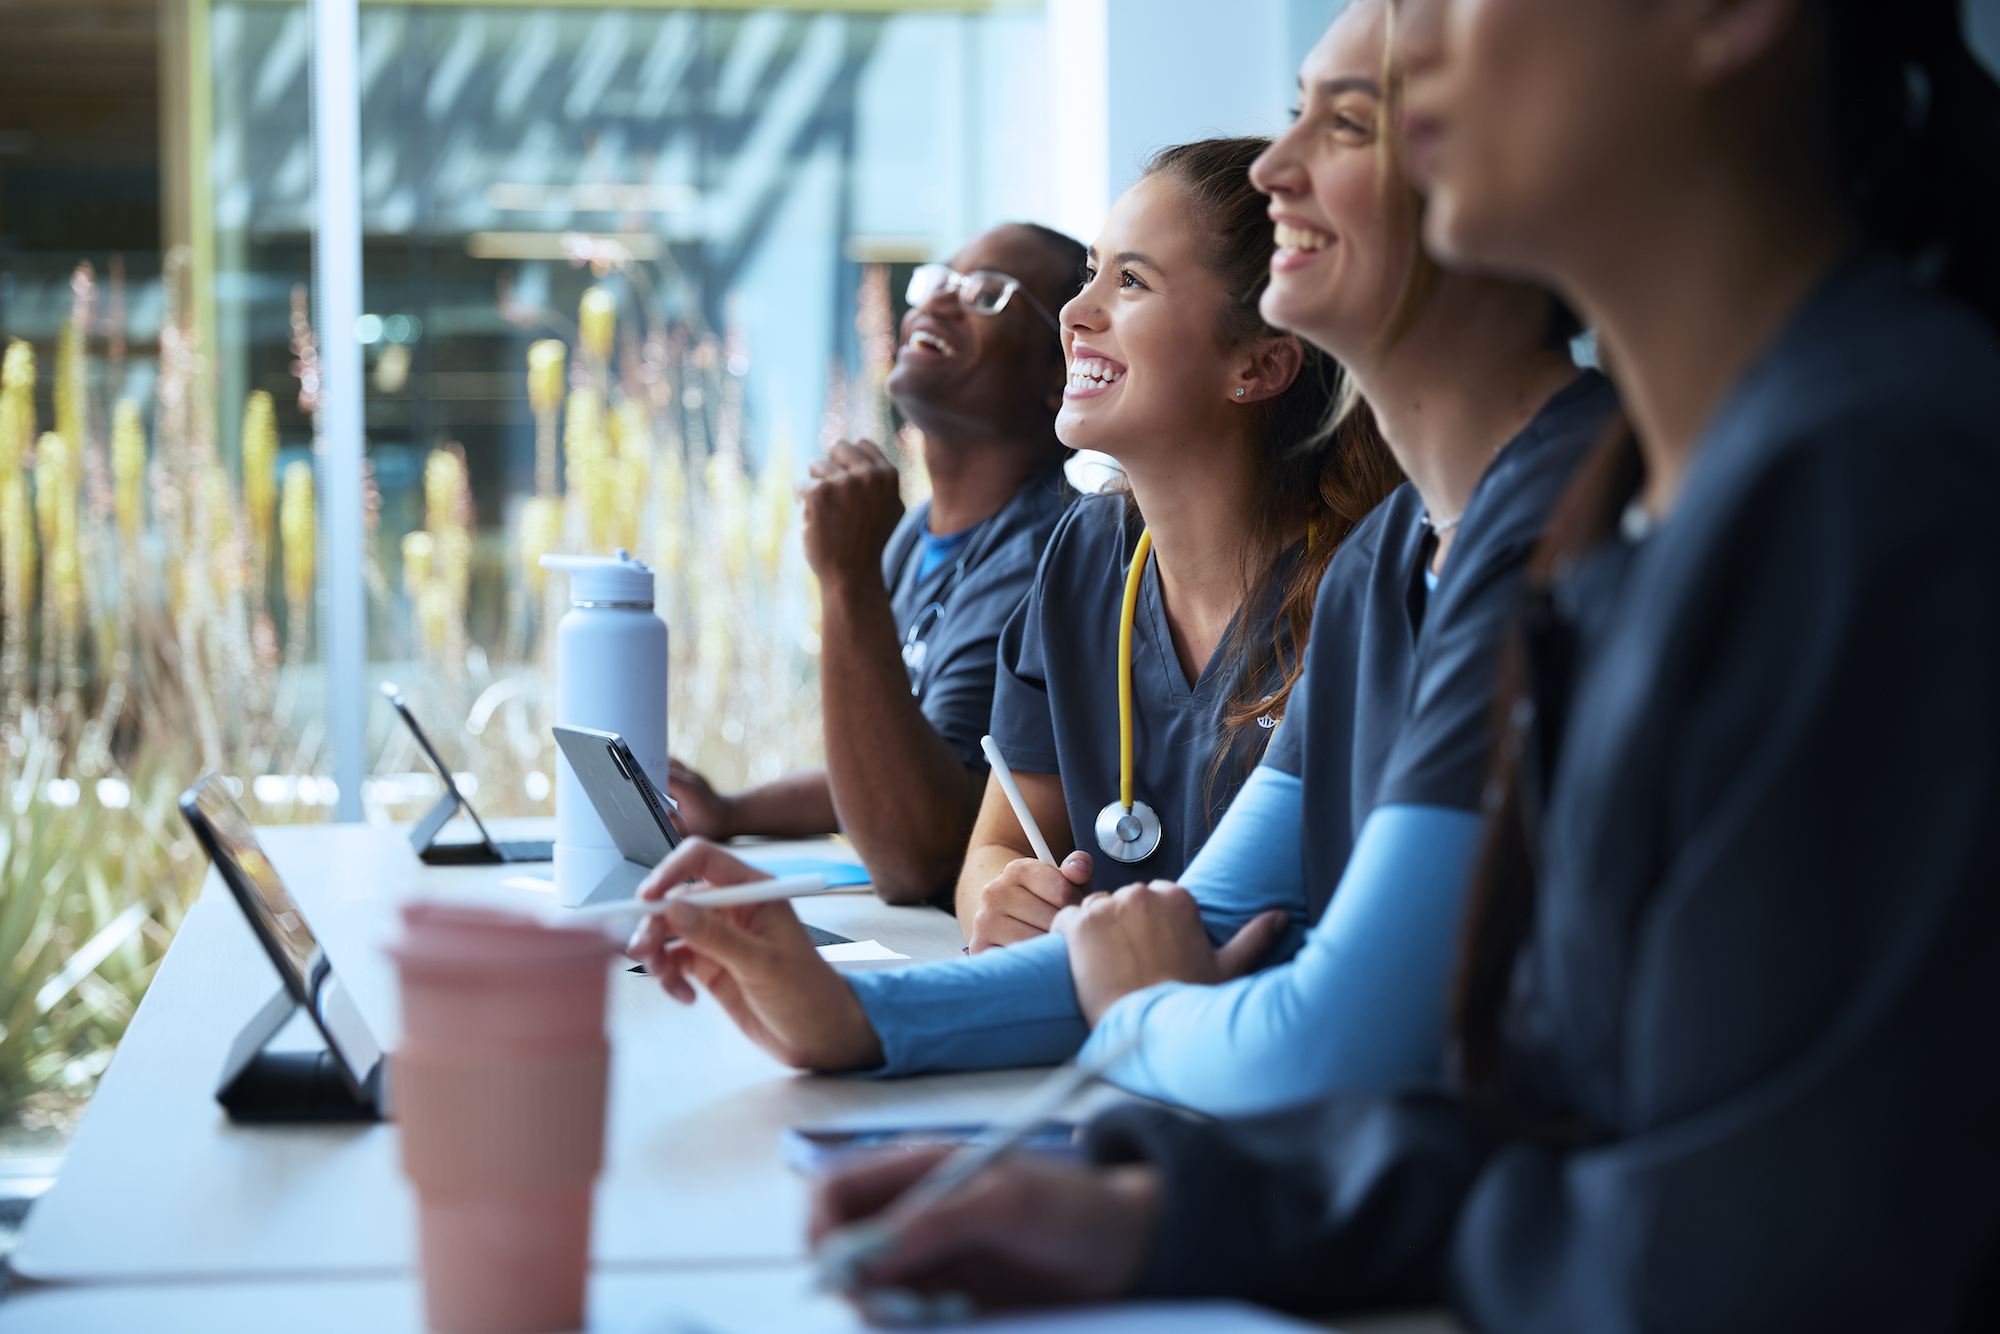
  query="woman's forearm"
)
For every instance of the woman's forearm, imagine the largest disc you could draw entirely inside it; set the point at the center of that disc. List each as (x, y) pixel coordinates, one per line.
(1013, 1006)
(1362, 1004)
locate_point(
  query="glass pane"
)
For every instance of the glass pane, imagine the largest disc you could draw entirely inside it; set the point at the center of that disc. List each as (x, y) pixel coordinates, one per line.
(689, 221)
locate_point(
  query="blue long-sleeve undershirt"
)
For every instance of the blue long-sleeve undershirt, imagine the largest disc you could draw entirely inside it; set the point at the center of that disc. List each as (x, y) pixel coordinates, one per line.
(1360, 1006)
(1017, 1006)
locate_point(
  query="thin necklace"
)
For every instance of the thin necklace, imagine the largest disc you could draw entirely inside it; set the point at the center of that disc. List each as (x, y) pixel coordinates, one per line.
(1439, 527)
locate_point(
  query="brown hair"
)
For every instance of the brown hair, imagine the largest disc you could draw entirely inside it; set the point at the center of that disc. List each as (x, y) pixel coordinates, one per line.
(1320, 481)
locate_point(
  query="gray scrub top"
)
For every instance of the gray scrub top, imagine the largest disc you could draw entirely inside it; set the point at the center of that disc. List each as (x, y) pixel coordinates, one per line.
(1395, 704)
(958, 610)
(1055, 702)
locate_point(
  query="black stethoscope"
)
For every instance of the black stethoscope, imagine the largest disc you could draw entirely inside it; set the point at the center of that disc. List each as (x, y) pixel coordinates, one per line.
(916, 640)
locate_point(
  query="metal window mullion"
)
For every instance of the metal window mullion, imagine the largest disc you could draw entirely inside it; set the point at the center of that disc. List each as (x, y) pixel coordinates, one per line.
(336, 132)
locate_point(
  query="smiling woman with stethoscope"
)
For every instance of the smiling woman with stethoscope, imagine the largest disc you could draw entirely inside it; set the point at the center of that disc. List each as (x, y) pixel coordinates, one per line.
(1165, 623)
(1160, 624)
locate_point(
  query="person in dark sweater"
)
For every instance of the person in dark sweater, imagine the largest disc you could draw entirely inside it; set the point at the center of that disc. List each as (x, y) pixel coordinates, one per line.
(913, 604)
(1730, 976)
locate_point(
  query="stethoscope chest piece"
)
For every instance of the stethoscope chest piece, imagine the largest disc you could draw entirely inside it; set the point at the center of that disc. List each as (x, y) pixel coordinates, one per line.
(1128, 836)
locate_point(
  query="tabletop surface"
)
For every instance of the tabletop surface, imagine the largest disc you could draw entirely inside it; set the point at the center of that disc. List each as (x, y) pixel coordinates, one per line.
(158, 1184)
(775, 1299)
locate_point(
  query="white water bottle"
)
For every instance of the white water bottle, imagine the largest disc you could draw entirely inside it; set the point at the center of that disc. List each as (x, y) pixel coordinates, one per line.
(611, 674)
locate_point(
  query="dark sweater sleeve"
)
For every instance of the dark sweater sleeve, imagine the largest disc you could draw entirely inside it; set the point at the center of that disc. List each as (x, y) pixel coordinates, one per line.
(1341, 1204)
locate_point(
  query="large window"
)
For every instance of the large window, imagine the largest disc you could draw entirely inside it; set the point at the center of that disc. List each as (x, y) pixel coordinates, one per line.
(625, 270)
(691, 222)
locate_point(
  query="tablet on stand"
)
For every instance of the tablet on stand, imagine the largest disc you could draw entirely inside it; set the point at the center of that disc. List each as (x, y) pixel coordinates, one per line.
(423, 835)
(634, 811)
(343, 1080)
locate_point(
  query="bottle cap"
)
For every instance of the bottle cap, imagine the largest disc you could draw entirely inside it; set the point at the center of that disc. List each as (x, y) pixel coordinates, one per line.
(605, 580)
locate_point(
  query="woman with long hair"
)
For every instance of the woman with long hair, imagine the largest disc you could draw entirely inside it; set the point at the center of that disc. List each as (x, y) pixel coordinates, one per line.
(1367, 805)
(1205, 568)
(1729, 980)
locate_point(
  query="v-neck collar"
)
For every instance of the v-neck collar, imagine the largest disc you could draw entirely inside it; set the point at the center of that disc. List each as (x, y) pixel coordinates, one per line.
(1151, 617)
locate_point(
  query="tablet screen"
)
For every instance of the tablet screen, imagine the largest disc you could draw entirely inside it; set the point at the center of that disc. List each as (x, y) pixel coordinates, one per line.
(270, 900)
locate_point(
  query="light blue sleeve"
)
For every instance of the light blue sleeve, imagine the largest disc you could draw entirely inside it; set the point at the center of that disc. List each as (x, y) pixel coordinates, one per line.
(1254, 861)
(1017, 1005)
(1361, 1006)
(1010, 1006)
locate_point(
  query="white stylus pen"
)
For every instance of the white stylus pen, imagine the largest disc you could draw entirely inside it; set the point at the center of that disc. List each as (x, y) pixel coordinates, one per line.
(723, 896)
(1017, 801)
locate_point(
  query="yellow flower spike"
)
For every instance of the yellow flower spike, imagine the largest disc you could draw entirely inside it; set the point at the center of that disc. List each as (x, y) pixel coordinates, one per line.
(51, 484)
(434, 617)
(600, 500)
(17, 369)
(444, 483)
(615, 428)
(547, 359)
(17, 546)
(582, 437)
(454, 563)
(17, 405)
(541, 530)
(596, 322)
(260, 469)
(417, 551)
(295, 534)
(128, 471)
(72, 392)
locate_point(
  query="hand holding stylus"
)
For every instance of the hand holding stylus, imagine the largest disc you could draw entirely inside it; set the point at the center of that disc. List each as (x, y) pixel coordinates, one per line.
(753, 956)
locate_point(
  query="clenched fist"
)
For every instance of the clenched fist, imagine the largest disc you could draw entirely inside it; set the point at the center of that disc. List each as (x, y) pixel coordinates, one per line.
(850, 507)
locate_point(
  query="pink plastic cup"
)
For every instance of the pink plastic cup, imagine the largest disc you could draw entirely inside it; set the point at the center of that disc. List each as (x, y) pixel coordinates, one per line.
(498, 1088)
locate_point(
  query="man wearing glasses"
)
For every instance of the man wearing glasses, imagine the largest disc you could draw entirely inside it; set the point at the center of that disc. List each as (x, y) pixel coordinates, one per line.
(912, 604)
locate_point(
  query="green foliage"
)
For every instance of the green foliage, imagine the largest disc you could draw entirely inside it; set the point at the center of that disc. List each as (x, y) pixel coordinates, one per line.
(89, 897)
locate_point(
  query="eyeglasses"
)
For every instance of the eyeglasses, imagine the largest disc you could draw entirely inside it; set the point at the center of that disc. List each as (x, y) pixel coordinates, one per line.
(983, 292)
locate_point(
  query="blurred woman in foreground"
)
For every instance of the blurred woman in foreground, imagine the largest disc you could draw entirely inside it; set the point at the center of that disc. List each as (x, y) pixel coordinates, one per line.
(1729, 982)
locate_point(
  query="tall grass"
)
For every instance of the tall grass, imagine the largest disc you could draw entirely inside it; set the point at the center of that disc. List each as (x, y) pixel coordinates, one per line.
(155, 614)
(137, 649)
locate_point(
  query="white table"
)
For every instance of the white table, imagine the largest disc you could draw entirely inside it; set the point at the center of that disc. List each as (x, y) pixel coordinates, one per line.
(778, 1300)
(167, 1217)
(159, 1185)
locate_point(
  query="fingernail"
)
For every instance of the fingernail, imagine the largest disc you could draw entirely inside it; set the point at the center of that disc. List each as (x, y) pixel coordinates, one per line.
(638, 935)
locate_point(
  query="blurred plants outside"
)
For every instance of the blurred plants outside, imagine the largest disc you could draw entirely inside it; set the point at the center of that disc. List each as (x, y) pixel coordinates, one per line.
(155, 617)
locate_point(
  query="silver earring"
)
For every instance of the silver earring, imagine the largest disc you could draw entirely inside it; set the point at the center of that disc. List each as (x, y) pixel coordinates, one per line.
(1239, 393)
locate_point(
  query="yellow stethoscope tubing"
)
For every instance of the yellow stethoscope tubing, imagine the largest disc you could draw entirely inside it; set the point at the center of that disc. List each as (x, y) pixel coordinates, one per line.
(1130, 609)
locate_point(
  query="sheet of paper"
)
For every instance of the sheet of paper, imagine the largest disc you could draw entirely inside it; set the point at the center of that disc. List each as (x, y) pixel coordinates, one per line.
(530, 882)
(858, 951)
